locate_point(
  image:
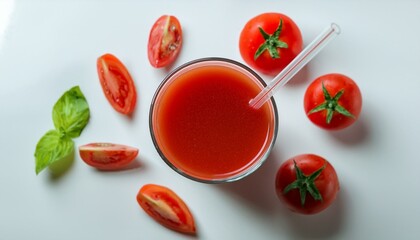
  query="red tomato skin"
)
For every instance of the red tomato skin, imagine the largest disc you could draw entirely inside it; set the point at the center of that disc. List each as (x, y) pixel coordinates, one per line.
(350, 100)
(169, 198)
(165, 41)
(251, 39)
(327, 184)
(117, 84)
(107, 156)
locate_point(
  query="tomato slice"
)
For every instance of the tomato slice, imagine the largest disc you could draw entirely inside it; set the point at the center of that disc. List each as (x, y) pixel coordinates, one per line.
(107, 156)
(117, 84)
(165, 41)
(163, 205)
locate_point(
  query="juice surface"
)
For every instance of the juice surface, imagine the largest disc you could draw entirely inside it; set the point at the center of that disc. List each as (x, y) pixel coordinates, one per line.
(205, 125)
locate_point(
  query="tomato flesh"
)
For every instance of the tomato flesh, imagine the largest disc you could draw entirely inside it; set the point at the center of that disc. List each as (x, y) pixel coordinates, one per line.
(107, 156)
(165, 41)
(164, 206)
(327, 183)
(251, 39)
(351, 100)
(117, 84)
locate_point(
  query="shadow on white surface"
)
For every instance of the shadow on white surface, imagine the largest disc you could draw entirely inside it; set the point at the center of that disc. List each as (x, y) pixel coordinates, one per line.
(301, 78)
(61, 168)
(257, 189)
(325, 224)
(358, 133)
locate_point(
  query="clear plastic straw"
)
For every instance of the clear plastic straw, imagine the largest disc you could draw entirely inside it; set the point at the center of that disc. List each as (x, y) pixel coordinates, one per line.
(298, 63)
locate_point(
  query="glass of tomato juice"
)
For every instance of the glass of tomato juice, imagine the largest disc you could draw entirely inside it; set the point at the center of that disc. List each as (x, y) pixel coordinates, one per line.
(202, 125)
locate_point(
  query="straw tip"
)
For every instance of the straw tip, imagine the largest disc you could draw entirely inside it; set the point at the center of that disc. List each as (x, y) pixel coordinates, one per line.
(336, 28)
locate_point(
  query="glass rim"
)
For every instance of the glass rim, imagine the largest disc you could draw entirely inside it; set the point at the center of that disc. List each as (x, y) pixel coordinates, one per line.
(250, 169)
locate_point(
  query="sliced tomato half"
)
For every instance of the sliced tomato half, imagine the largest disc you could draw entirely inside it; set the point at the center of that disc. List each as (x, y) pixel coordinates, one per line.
(107, 156)
(117, 84)
(165, 41)
(164, 206)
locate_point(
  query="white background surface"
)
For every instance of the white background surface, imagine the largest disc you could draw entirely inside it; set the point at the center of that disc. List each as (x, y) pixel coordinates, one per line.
(46, 47)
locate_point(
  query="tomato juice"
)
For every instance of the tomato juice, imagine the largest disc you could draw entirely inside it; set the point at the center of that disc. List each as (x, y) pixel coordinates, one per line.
(202, 124)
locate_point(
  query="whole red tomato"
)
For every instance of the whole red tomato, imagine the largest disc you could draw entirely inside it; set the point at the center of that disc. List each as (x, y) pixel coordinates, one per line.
(165, 41)
(333, 101)
(307, 184)
(269, 42)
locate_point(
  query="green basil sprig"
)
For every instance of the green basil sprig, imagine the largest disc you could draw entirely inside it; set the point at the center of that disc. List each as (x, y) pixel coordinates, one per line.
(70, 116)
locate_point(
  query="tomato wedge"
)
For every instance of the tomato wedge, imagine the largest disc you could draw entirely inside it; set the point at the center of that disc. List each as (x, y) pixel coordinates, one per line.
(107, 156)
(117, 84)
(164, 206)
(165, 41)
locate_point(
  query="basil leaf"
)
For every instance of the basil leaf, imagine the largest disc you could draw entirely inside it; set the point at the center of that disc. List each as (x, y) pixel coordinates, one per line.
(71, 112)
(52, 147)
(70, 116)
